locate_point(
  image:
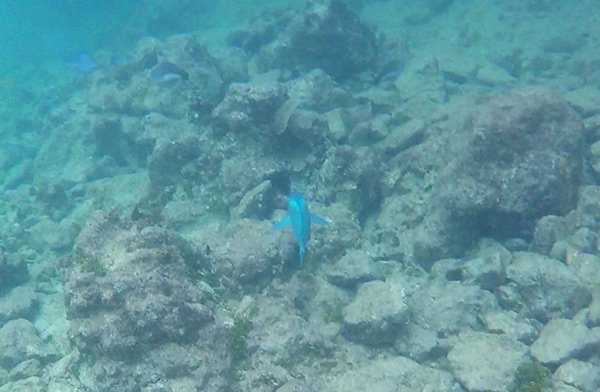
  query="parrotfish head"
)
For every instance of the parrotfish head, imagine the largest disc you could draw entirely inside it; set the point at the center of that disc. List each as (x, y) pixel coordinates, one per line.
(296, 197)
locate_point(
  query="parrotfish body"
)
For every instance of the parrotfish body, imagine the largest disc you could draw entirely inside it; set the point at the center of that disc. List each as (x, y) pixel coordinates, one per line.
(300, 218)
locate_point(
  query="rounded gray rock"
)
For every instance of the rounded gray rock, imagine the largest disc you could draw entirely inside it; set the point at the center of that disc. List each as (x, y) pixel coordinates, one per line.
(353, 268)
(19, 341)
(397, 374)
(477, 370)
(21, 302)
(13, 271)
(561, 340)
(377, 314)
(546, 287)
(583, 375)
(447, 308)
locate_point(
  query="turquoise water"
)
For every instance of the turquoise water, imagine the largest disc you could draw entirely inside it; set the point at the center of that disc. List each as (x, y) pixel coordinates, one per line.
(448, 150)
(40, 31)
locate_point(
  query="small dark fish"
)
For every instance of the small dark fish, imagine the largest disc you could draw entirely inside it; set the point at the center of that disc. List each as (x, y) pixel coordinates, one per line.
(165, 72)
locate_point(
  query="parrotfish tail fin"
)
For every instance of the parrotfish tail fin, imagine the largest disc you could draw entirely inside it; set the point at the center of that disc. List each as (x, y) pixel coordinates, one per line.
(283, 222)
(314, 218)
(301, 251)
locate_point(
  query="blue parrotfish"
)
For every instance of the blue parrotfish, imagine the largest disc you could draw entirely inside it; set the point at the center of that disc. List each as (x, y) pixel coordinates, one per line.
(300, 218)
(83, 63)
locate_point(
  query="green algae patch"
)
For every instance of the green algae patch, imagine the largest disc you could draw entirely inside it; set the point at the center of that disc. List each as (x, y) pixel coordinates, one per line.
(238, 335)
(531, 376)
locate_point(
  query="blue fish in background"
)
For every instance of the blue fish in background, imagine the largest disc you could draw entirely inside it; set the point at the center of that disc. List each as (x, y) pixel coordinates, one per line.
(83, 63)
(300, 218)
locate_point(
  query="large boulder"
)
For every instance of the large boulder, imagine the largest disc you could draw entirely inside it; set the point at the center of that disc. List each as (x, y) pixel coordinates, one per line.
(327, 35)
(491, 172)
(521, 161)
(332, 37)
(135, 299)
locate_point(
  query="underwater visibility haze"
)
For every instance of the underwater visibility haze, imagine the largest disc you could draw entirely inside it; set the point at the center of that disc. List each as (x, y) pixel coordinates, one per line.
(434, 167)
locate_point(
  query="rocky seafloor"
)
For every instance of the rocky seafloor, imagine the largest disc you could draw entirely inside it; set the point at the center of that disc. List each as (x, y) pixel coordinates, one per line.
(460, 180)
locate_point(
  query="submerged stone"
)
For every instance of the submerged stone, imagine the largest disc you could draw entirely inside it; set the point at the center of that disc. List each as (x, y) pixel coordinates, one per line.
(377, 314)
